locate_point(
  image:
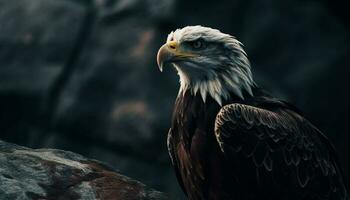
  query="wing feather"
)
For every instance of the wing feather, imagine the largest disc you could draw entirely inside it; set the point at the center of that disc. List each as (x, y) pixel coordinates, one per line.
(174, 161)
(280, 138)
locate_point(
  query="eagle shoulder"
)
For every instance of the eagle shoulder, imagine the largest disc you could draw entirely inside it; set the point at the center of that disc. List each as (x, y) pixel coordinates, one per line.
(279, 138)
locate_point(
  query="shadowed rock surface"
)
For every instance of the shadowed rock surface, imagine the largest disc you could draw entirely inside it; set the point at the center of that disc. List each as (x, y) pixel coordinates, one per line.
(55, 174)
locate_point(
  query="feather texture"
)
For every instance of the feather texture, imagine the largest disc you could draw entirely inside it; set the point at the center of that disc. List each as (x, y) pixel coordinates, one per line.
(270, 137)
(256, 148)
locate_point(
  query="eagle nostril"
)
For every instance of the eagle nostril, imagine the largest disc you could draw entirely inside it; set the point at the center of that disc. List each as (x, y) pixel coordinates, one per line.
(172, 46)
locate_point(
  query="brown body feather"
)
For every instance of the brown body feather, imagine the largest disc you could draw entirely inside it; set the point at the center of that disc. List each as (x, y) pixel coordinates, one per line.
(259, 148)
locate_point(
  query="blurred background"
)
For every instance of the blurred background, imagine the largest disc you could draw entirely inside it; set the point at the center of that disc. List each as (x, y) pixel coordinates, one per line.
(81, 75)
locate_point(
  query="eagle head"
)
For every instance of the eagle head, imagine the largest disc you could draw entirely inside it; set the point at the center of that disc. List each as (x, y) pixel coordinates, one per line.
(207, 61)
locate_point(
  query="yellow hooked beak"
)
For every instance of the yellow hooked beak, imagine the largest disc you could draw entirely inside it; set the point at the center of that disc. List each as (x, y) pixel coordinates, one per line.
(170, 52)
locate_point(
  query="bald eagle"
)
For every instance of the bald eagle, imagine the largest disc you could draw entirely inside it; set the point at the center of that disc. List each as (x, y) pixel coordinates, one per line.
(231, 140)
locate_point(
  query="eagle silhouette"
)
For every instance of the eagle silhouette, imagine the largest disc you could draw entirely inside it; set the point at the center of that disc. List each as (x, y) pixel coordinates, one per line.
(231, 140)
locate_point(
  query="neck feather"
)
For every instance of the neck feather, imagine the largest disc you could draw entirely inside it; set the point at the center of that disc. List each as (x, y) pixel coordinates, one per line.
(218, 86)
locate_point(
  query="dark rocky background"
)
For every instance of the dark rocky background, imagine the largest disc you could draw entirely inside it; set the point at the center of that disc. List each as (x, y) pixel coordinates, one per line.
(81, 75)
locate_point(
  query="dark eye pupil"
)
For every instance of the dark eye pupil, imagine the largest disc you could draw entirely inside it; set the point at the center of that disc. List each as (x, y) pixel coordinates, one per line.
(197, 44)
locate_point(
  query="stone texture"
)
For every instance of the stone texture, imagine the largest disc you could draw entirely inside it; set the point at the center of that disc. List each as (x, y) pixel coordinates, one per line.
(55, 174)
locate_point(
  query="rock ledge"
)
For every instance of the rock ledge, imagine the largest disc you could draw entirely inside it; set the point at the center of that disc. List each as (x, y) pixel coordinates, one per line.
(55, 174)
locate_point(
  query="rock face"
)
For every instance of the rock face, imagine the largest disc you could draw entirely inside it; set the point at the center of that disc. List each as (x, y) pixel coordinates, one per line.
(55, 174)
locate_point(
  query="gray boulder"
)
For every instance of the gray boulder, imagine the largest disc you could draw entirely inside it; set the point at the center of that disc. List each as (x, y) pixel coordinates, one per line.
(55, 174)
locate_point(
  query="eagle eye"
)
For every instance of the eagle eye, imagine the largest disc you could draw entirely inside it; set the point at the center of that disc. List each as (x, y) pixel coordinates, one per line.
(197, 44)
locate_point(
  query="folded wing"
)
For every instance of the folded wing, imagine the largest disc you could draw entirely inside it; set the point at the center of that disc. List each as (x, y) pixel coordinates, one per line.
(281, 149)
